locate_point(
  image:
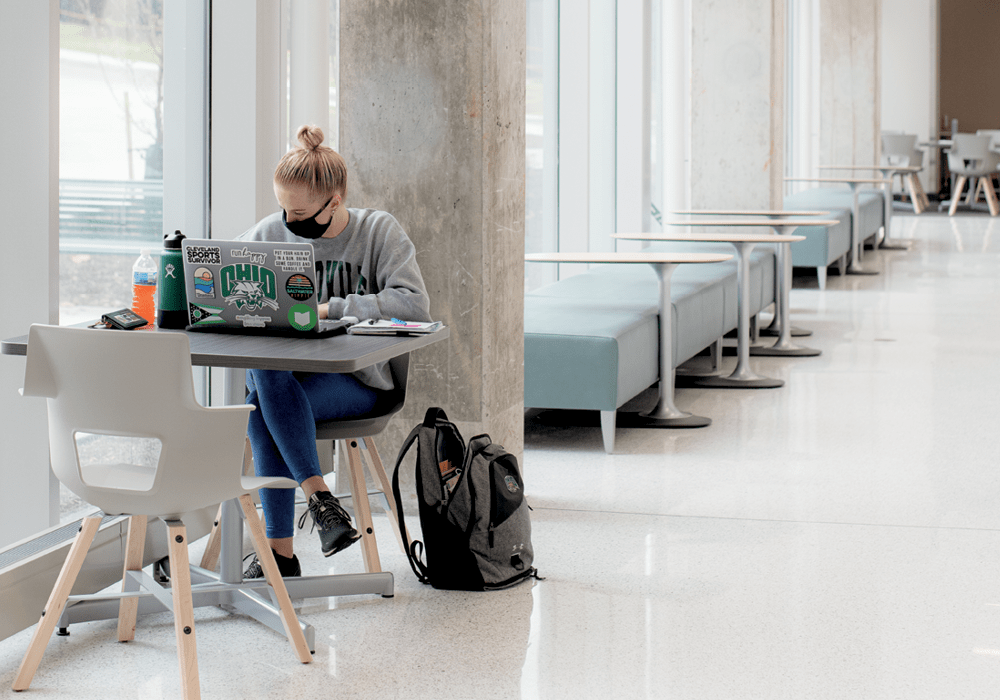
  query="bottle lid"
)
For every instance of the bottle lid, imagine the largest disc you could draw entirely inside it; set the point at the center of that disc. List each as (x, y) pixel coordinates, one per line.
(172, 241)
(143, 251)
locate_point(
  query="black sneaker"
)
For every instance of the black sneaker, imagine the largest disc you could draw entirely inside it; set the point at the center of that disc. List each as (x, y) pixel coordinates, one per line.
(287, 566)
(333, 522)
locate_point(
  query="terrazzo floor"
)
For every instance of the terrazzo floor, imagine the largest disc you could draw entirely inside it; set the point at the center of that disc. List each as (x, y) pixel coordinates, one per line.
(837, 538)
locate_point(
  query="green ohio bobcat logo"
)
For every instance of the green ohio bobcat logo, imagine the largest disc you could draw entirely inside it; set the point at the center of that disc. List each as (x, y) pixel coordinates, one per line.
(249, 287)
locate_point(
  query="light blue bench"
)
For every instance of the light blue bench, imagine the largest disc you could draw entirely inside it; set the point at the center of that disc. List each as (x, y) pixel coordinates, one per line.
(591, 341)
(827, 245)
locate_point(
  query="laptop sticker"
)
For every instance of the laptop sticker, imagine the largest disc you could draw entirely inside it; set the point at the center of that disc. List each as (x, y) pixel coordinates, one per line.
(245, 253)
(289, 260)
(302, 317)
(205, 315)
(203, 254)
(299, 287)
(248, 287)
(204, 283)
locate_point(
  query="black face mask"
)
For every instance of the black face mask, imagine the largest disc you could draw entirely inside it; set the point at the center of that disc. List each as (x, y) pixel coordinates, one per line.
(307, 228)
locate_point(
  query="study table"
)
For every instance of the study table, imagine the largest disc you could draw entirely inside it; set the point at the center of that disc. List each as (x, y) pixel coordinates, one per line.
(775, 328)
(917, 194)
(337, 354)
(743, 243)
(857, 245)
(665, 414)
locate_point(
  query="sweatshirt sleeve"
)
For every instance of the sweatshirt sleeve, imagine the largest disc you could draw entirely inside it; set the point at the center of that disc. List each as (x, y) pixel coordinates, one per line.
(393, 265)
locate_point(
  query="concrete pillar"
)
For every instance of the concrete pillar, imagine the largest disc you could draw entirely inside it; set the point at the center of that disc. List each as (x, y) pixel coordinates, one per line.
(849, 81)
(432, 129)
(737, 104)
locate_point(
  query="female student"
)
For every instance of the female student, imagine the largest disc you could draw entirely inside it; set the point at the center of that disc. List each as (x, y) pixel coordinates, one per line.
(366, 267)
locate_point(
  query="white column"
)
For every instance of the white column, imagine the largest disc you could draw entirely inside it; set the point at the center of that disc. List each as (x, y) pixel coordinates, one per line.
(602, 124)
(185, 118)
(675, 20)
(632, 194)
(574, 132)
(29, 269)
(309, 64)
(247, 101)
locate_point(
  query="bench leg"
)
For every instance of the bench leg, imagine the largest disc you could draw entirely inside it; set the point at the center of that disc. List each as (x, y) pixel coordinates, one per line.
(608, 419)
(821, 277)
(715, 353)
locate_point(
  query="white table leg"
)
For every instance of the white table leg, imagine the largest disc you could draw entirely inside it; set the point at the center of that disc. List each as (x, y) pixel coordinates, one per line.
(743, 377)
(887, 242)
(665, 414)
(784, 346)
(857, 245)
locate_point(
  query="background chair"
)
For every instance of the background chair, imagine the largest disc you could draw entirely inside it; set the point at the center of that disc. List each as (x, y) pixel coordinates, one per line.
(970, 157)
(362, 428)
(901, 149)
(138, 385)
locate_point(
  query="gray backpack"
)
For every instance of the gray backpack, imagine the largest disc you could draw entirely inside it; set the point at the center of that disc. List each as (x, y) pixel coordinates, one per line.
(473, 516)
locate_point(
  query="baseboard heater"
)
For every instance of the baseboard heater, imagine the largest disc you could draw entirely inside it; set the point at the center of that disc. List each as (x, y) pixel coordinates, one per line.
(29, 568)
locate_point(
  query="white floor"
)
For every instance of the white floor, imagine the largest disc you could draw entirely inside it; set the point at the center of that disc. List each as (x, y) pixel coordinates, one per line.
(835, 538)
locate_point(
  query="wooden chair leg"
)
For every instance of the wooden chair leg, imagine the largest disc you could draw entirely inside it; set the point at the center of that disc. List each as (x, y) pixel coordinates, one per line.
(915, 198)
(210, 557)
(180, 588)
(362, 509)
(128, 608)
(957, 194)
(266, 558)
(382, 479)
(991, 196)
(57, 601)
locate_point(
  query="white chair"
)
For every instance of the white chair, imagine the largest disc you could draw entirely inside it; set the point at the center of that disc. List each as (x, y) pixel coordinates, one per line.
(970, 157)
(138, 385)
(901, 150)
(349, 431)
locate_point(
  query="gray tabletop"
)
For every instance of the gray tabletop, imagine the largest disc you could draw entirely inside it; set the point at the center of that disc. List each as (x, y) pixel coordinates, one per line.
(340, 353)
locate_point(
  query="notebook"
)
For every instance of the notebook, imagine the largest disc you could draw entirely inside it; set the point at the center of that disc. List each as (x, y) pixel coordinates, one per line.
(255, 288)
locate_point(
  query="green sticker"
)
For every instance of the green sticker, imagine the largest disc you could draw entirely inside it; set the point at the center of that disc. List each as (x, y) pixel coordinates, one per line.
(302, 317)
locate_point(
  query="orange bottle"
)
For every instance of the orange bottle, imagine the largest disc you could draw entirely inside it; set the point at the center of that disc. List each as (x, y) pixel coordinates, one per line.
(144, 287)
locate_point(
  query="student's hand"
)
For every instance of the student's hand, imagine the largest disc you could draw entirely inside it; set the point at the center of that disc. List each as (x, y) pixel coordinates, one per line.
(323, 311)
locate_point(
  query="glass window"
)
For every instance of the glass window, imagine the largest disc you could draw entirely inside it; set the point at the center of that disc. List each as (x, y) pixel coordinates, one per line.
(110, 168)
(110, 151)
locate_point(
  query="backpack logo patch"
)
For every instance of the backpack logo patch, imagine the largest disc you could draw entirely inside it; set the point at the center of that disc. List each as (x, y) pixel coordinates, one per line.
(511, 484)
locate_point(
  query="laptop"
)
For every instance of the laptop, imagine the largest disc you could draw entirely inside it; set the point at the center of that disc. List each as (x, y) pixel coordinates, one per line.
(254, 288)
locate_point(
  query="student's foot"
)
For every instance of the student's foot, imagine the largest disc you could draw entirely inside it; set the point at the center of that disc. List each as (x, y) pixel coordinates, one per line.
(332, 521)
(287, 566)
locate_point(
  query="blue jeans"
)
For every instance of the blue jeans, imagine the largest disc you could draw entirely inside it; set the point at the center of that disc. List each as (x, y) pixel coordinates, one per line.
(282, 430)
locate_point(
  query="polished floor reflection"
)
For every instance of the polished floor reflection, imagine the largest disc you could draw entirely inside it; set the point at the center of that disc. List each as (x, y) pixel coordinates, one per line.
(836, 538)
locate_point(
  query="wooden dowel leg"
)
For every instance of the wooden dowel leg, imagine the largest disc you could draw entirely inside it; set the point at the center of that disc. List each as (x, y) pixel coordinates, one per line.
(57, 601)
(382, 479)
(210, 557)
(180, 587)
(266, 558)
(128, 608)
(362, 509)
(957, 194)
(991, 196)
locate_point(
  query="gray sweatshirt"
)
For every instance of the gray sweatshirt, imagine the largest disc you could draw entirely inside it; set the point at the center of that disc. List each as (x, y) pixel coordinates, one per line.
(368, 271)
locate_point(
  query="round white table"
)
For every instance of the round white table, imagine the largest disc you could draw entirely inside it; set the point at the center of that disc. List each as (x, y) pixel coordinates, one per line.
(665, 414)
(857, 247)
(743, 377)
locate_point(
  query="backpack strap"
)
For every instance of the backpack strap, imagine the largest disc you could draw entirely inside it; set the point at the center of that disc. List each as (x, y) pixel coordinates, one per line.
(413, 554)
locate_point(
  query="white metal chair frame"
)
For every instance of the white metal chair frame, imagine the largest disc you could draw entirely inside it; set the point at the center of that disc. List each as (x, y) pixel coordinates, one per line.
(80, 372)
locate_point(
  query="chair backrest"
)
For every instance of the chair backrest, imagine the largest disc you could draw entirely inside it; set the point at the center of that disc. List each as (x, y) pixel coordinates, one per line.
(994, 135)
(134, 384)
(970, 154)
(897, 149)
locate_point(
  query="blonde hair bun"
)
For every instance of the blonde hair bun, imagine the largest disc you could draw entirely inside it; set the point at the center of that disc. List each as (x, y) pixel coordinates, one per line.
(310, 136)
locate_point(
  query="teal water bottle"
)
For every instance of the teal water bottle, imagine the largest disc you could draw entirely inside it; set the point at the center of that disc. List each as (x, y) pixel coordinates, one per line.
(171, 309)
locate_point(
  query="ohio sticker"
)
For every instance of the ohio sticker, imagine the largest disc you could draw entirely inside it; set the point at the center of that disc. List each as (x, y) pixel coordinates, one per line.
(302, 317)
(299, 287)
